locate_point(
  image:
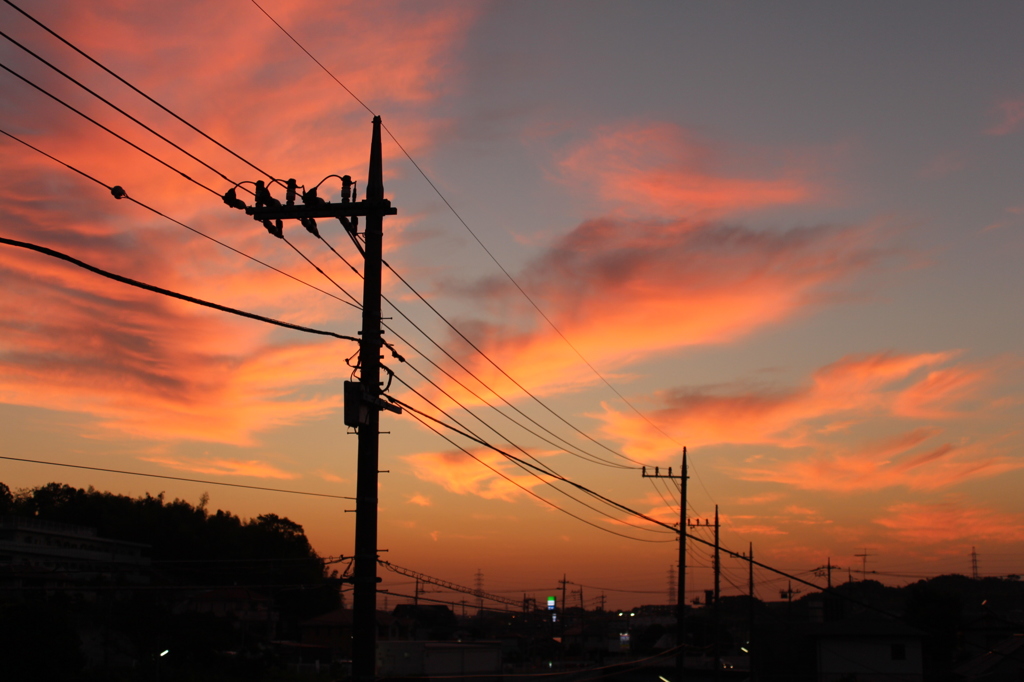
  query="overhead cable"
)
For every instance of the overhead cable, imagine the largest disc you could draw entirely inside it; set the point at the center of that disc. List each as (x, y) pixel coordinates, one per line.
(118, 109)
(167, 292)
(540, 466)
(97, 123)
(176, 478)
(135, 201)
(137, 90)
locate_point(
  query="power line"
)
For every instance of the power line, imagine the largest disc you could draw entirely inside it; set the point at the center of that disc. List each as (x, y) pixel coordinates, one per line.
(167, 292)
(176, 478)
(568, 446)
(484, 247)
(100, 125)
(111, 189)
(539, 466)
(310, 55)
(137, 90)
(118, 109)
(503, 372)
(423, 420)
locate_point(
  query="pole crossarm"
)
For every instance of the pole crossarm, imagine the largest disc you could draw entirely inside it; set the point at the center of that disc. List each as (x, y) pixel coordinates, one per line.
(409, 573)
(657, 474)
(327, 210)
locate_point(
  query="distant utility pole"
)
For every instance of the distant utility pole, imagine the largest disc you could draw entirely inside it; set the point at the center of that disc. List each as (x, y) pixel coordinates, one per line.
(826, 571)
(974, 563)
(564, 606)
(864, 565)
(681, 584)
(718, 593)
(363, 401)
(480, 589)
(750, 608)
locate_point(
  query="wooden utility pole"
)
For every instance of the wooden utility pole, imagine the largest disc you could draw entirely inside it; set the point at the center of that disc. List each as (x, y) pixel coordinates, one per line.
(681, 584)
(718, 593)
(364, 592)
(750, 608)
(363, 401)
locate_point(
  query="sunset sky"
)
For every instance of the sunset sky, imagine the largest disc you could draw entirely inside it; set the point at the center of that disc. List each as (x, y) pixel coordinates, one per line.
(787, 236)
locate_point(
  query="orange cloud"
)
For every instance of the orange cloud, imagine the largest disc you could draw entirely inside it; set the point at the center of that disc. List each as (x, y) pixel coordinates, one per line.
(420, 500)
(153, 368)
(865, 393)
(950, 522)
(461, 474)
(855, 386)
(621, 291)
(659, 169)
(932, 397)
(224, 467)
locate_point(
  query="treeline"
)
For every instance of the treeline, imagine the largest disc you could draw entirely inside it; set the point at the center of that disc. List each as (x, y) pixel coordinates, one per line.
(187, 541)
(113, 624)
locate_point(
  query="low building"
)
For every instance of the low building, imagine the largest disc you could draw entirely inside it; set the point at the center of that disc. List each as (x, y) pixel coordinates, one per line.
(58, 556)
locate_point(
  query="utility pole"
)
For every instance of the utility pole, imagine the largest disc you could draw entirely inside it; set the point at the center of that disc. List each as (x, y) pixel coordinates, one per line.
(681, 584)
(718, 593)
(750, 607)
(363, 401)
(864, 565)
(565, 606)
(826, 571)
(974, 563)
(364, 592)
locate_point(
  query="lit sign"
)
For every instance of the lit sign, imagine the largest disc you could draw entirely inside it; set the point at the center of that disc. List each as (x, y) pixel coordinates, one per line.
(551, 603)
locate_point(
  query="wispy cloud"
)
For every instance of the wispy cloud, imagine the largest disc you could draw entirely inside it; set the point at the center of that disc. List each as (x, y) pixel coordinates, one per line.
(865, 394)
(224, 467)
(156, 369)
(461, 474)
(661, 169)
(622, 291)
(951, 521)
(1010, 114)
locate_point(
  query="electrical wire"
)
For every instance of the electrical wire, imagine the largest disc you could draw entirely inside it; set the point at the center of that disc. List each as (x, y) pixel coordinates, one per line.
(119, 109)
(167, 292)
(175, 478)
(483, 246)
(423, 420)
(111, 189)
(566, 447)
(530, 470)
(100, 125)
(502, 371)
(137, 90)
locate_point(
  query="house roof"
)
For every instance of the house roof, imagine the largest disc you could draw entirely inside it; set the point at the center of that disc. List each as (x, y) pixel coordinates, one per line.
(983, 664)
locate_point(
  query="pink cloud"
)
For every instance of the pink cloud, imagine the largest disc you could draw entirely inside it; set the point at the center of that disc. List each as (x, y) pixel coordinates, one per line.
(932, 397)
(1011, 115)
(659, 169)
(621, 291)
(871, 392)
(146, 366)
(853, 387)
